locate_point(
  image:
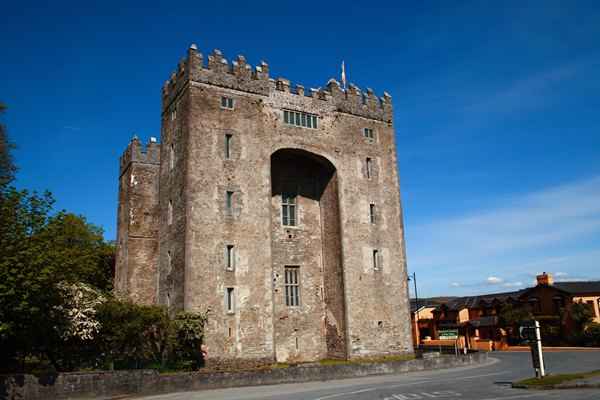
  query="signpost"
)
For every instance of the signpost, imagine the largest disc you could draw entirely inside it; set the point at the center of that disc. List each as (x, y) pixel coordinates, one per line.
(531, 332)
(448, 334)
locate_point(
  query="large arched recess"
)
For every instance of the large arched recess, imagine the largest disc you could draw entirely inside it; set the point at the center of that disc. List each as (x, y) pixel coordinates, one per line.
(315, 245)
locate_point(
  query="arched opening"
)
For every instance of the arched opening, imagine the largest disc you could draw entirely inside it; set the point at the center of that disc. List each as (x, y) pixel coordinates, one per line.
(307, 257)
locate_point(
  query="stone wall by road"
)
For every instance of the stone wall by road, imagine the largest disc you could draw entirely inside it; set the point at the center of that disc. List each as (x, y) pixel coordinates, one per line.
(147, 382)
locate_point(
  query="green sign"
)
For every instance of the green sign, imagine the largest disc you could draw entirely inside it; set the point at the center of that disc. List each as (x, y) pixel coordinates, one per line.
(448, 334)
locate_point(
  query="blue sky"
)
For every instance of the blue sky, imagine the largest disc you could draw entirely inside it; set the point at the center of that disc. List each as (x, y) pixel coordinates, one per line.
(497, 112)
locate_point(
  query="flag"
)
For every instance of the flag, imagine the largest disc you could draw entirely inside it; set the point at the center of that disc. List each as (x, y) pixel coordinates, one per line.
(343, 75)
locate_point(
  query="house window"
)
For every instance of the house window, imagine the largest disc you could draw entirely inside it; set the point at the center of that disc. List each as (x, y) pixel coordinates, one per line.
(535, 305)
(558, 302)
(368, 133)
(171, 157)
(292, 286)
(227, 102)
(228, 139)
(369, 167)
(301, 119)
(230, 257)
(372, 213)
(170, 213)
(376, 259)
(229, 202)
(288, 209)
(230, 300)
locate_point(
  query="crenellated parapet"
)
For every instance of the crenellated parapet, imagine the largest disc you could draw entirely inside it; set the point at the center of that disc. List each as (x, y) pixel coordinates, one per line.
(137, 152)
(239, 75)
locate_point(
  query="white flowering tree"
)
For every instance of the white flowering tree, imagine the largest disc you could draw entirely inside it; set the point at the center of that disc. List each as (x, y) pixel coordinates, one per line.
(80, 306)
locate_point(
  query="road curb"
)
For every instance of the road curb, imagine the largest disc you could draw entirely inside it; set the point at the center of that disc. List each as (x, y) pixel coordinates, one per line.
(576, 385)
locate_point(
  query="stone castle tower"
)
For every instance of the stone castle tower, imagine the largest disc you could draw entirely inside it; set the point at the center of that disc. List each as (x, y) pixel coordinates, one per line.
(275, 208)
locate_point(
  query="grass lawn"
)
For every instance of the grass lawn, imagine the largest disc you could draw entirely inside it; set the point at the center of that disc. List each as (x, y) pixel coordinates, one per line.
(550, 380)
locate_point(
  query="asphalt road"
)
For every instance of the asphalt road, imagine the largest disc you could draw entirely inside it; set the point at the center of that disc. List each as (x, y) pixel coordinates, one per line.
(488, 382)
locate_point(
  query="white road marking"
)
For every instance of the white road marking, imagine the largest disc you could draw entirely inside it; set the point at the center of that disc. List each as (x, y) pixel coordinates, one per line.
(331, 396)
(518, 396)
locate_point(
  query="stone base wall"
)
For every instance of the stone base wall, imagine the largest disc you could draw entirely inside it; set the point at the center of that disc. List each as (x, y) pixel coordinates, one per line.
(146, 382)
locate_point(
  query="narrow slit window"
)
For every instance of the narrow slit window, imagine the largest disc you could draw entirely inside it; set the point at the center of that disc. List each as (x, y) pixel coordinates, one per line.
(228, 140)
(229, 201)
(369, 168)
(173, 113)
(372, 213)
(170, 213)
(292, 286)
(230, 257)
(288, 209)
(230, 300)
(375, 259)
(227, 102)
(171, 157)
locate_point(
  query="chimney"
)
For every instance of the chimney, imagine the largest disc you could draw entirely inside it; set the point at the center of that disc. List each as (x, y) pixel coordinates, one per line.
(545, 279)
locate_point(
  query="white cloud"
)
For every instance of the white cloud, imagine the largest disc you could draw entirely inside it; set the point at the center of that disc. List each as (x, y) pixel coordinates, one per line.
(494, 280)
(548, 230)
(531, 221)
(455, 284)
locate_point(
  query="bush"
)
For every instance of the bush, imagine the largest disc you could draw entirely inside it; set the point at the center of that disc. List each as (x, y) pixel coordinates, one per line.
(143, 336)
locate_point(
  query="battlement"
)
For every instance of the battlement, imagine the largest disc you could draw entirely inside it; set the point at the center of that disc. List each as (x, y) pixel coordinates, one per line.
(240, 75)
(137, 152)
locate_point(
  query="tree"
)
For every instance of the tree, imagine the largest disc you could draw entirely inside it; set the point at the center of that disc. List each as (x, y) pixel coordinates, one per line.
(511, 316)
(38, 253)
(581, 314)
(7, 167)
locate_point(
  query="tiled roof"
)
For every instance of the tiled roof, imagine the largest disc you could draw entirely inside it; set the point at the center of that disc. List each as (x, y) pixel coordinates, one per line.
(579, 287)
(473, 301)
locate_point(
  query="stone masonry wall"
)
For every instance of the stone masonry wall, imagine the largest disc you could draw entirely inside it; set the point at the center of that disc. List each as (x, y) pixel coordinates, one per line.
(349, 307)
(137, 223)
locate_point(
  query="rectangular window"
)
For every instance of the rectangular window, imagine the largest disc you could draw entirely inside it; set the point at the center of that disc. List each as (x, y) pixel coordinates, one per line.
(227, 102)
(229, 201)
(230, 300)
(369, 168)
(173, 114)
(230, 257)
(228, 139)
(368, 133)
(171, 157)
(301, 119)
(170, 213)
(375, 259)
(372, 213)
(292, 286)
(288, 209)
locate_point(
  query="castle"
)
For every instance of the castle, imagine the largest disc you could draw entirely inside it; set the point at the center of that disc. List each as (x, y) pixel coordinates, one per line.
(274, 208)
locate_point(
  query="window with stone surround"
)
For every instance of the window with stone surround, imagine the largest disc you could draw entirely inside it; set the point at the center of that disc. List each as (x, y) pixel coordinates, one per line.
(229, 202)
(292, 285)
(230, 300)
(230, 257)
(228, 140)
(171, 157)
(369, 167)
(227, 103)
(288, 208)
(170, 213)
(372, 213)
(368, 133)
(376, 261)
(301, 119)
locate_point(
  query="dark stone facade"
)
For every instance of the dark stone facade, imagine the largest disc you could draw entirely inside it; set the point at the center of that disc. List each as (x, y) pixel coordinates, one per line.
(218, 185)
